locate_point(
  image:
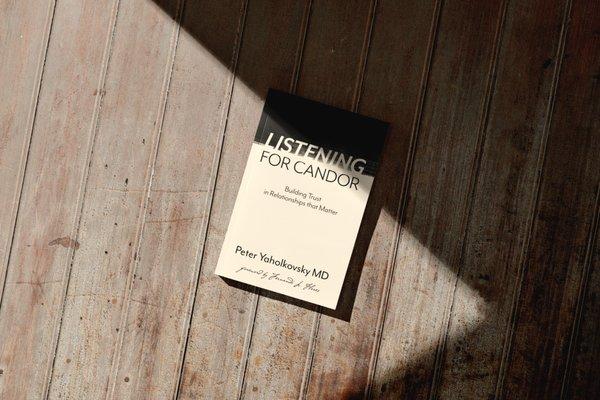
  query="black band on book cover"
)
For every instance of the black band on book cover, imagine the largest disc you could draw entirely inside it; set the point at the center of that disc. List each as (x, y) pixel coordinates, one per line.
(334, 130)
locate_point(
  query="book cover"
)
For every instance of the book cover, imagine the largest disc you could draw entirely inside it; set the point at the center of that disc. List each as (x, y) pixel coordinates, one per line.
(302, 198)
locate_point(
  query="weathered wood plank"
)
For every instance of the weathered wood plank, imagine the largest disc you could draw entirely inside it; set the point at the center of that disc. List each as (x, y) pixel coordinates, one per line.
(159, 305)
(51, 196)
(114, 199)
(581, 379)
(555, 259)
(215, 355)
(494, 232)
(24, 36)
(505, 191)
(336, 40)
(434, 219)
(396, 71)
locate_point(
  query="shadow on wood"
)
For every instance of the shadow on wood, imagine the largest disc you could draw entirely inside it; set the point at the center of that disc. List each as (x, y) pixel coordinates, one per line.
(436, 202)
(426, 229)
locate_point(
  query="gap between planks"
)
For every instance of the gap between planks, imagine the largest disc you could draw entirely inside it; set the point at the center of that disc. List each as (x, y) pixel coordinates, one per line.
(145, 199)
(216, 164)
(107, 52)
(510, 328)
(23, 161)
(416, 125)
(473, 179)
(581, 295)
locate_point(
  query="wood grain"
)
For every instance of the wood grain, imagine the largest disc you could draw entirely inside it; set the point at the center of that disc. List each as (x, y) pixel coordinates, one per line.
(555, 259)
(396, 71)
(24, 35)
(114, 199)
(336, 40)
(159, 305)
(434, 219)
(215, 355)
(581, 379)
(504, 194)
(51, 195)
(124, 132)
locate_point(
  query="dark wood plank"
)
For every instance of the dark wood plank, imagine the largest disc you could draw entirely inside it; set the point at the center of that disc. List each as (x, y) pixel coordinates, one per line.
(336, 45)
(217, 345)
(397, 67)
(434, 220)
(556, 256)
(581, 378)
(504, 194)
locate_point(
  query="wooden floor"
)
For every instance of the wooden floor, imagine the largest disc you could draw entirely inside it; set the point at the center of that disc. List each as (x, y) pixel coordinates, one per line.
(124, 130)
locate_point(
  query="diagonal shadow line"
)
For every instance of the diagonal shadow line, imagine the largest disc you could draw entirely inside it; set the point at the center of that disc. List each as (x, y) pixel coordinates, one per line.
(221, 52)
(389, 163)
(372, 212)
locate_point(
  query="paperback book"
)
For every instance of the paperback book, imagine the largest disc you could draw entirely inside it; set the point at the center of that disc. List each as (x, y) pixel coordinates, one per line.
(302, 198)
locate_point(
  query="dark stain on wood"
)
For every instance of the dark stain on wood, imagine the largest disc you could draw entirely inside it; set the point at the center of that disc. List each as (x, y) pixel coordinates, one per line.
(66, 242)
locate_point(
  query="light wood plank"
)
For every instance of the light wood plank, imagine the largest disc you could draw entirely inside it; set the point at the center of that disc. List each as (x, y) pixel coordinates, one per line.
(159, 305)
(507, 183)
(397, 68)
(337, 40)
(434, 219)
(555, 259)
(115, 194)
(23, 42)
(50, 202)
(215, 354)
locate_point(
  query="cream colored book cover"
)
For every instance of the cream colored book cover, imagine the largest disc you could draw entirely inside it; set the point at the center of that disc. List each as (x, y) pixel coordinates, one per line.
(302, 198)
